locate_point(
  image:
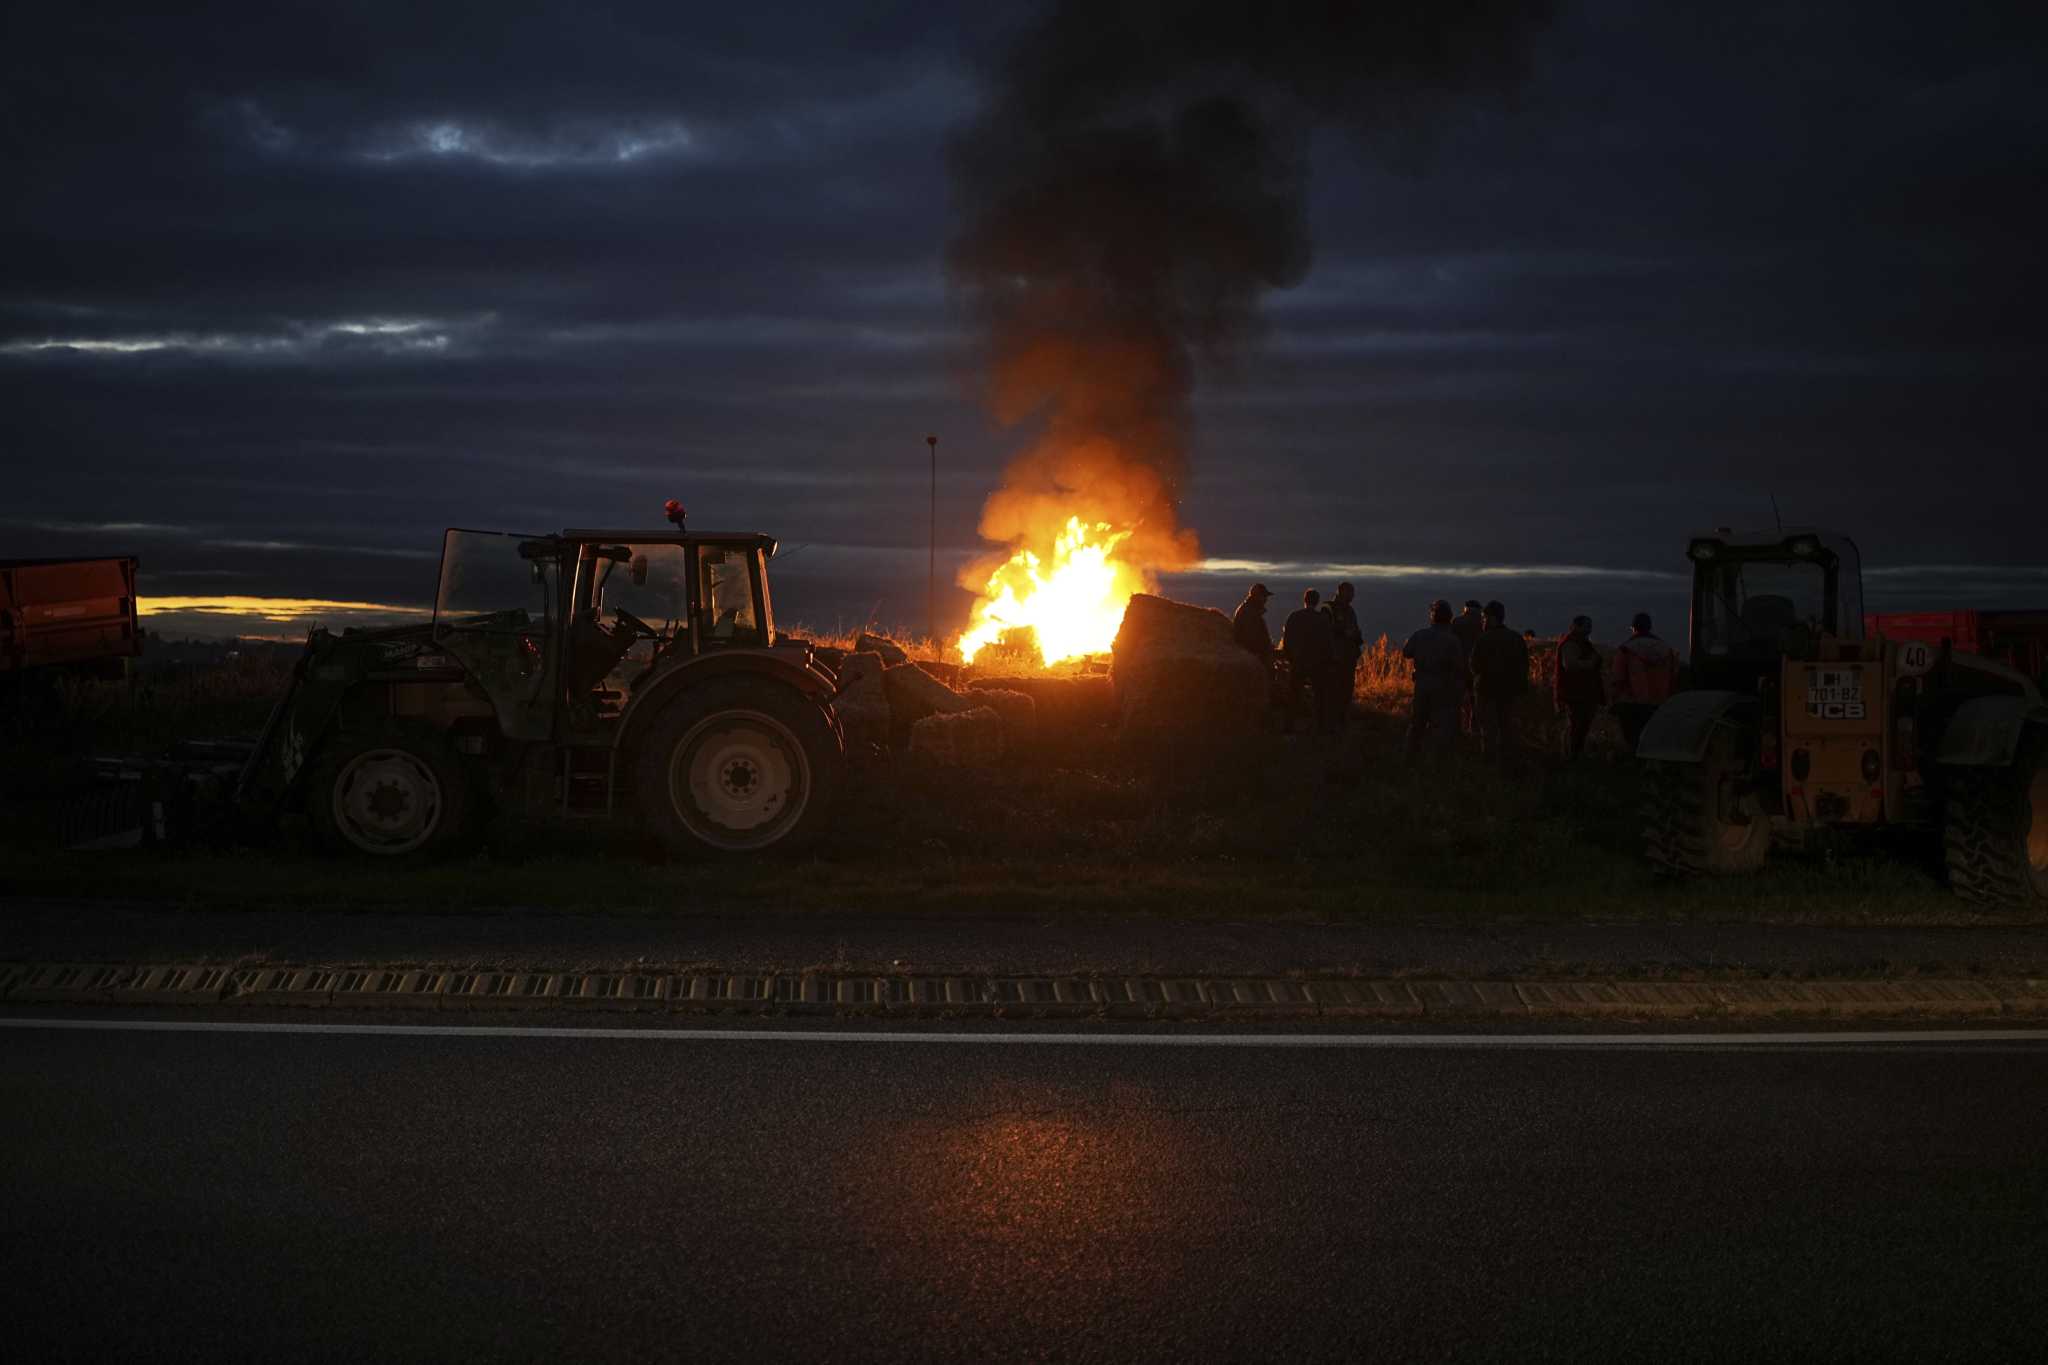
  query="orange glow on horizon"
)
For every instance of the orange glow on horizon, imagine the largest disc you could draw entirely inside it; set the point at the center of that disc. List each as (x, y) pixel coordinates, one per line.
(284, 610)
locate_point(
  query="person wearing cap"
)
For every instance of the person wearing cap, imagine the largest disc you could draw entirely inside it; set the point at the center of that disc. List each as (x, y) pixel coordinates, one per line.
(1577, 685)
(1645, 672)
(1309, 644)
(1500, 676)
(1248, 624)
(1439, 683)
(1350, 642)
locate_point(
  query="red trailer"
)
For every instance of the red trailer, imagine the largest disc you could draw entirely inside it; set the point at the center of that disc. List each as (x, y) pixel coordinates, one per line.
(73, 613)
(2016, 638)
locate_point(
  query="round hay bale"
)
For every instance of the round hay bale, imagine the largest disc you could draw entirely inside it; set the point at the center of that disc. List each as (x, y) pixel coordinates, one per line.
(914, 694)
(1176, 670)
(891, 652)
(1061, 705)
(959, 739)
(861, 703)
(1018, 711)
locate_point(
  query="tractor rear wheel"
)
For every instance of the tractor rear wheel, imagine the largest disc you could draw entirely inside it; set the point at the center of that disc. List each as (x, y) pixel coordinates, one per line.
(1697, 820)
(1995, 828)
(389, 792)
(737, 766)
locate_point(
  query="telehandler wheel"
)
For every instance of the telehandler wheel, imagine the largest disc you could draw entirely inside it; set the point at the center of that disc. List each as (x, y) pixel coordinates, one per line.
(1693, 825)
(390, 792)
(1995, 828)
(737, 766)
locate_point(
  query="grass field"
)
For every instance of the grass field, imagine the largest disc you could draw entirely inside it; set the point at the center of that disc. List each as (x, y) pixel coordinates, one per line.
(1083, 829)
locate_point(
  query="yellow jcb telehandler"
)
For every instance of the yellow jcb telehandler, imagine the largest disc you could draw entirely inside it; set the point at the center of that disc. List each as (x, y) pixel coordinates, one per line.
(1796, 725)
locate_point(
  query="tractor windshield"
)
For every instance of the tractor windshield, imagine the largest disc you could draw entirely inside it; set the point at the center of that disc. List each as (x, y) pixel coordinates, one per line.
(1746, 606)
(486, 582)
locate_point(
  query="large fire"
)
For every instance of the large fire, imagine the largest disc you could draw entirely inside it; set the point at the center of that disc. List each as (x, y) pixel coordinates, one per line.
(1067, 602)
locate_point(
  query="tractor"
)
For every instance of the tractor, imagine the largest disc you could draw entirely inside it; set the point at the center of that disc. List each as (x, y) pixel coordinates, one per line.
(1797, 728)
(587, 674)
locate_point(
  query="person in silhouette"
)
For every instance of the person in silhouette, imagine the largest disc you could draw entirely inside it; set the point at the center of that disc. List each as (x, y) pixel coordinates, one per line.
(1500, 677)
(1440, 673)
(1578, 687)
(1308, 642)
(1350, 644)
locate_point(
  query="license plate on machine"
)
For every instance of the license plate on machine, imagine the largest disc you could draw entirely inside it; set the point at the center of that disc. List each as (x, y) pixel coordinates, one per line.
(1835, 693)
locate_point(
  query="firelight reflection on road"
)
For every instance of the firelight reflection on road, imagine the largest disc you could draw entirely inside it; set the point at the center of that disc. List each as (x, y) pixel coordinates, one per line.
(1044, 1211)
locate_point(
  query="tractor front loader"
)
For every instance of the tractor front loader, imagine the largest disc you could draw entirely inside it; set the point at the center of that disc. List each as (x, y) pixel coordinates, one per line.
(587, 674)
(1797, 728)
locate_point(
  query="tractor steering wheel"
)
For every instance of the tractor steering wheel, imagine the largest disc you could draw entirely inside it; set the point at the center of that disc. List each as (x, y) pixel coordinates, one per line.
(627, 618)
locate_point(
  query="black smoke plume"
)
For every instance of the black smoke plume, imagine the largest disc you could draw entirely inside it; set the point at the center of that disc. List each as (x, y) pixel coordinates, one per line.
(1137, 182)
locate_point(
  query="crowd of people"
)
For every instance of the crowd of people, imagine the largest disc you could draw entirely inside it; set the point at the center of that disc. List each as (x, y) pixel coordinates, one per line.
(1471, 672)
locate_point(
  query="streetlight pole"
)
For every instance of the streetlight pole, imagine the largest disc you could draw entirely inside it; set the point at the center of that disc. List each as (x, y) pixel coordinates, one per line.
(931, 573)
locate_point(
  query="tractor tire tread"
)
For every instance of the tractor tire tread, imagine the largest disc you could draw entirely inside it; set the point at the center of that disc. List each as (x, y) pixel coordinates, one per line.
(1984, 828)
(1677, 806)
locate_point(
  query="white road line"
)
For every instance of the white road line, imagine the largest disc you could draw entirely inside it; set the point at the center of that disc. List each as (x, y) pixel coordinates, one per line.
(1268, 1040)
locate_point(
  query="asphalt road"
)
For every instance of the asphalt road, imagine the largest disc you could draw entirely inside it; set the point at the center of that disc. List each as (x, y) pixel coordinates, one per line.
(322, 1197)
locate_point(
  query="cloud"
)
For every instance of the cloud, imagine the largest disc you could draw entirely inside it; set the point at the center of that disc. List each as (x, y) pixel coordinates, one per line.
(381, 336)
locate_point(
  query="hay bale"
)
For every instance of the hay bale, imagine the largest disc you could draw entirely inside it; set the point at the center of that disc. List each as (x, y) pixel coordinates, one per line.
(891, 652)
(914, 694)
(959, 739)
(1061, 705)
(862, 703)
(1019, 714)
(1176, 670)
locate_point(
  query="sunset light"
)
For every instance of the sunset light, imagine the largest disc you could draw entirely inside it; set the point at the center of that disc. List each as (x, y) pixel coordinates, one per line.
(284, 610)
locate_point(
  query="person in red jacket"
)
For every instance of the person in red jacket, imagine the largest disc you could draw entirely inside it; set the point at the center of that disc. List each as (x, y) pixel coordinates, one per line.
(1645, 672)
(1578, 688)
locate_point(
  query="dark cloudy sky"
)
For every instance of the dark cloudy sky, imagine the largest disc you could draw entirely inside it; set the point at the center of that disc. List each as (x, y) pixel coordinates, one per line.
(285, 290)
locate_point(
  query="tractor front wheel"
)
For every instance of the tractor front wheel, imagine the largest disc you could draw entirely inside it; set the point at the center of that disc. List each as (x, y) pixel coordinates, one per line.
(1995, 828)
(388, 792)
(738, 766)
(1698, 818)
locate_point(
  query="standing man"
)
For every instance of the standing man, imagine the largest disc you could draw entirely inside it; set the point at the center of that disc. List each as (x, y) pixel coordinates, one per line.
(1439, 683)
(1500, 675)
(1308, 643)
(1248, 624)
(1467, 628)
(1344, 666)
(1645, 672)
(1578, 688)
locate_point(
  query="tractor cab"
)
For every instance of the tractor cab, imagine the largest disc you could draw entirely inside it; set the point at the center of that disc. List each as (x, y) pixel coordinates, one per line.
(569, 627)
(1759, 598)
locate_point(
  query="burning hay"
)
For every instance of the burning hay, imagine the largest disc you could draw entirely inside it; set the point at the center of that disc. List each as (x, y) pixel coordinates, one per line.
(1176, 669)
(1136, 183)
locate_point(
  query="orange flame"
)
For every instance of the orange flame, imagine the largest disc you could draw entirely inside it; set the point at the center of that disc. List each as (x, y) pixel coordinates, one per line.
(1071, 600)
